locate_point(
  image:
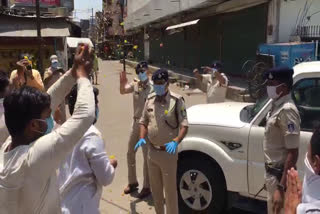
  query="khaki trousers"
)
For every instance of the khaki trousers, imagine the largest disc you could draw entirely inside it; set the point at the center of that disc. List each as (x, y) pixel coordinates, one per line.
(271, 185)
(163, 171)
(131, 157)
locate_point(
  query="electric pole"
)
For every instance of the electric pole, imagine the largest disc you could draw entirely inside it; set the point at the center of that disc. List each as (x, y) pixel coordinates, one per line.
(38, 20)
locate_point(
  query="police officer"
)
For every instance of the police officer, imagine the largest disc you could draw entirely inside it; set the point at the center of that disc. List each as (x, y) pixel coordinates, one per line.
(140, 89)
(164, 120)
(282, 135)
(214, 82)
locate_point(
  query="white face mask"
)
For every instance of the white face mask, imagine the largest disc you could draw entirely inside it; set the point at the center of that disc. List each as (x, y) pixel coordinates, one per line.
(272, 92)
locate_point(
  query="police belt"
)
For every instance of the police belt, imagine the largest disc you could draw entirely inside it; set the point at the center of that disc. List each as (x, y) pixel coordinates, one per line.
(274, 171)
(161, 148)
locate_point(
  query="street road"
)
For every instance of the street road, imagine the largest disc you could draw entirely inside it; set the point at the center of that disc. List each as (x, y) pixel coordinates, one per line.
(114, 123)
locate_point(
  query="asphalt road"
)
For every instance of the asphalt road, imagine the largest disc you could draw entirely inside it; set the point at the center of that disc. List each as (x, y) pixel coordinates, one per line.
(114, 123)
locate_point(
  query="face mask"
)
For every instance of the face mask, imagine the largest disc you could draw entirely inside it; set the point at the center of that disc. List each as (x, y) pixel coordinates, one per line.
(213, 72)
(160, 90)
(50, 124)
(55, 65)
(97, 113)
(272, 92)
(143, 76)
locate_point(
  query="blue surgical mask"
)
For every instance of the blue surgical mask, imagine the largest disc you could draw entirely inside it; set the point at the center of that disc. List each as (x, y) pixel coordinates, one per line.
(160, 90)
(50, 124)
(55, 65)
(143, 76)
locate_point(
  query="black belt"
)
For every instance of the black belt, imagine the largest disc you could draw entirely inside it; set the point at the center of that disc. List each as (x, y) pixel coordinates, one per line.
(161, 148)
(275, 171)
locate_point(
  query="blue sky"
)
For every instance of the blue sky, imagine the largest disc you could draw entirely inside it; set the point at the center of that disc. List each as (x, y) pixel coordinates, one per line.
(83, 8)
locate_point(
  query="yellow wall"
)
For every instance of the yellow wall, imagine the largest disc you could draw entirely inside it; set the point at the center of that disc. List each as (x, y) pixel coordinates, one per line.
(9, 55)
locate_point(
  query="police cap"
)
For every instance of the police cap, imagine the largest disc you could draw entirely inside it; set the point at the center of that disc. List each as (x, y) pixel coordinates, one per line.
(282, 74)
(216, 65)
(161, 74)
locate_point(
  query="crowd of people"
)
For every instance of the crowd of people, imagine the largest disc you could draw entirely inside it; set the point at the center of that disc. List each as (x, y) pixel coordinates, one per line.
(37, 140)
(53, 164)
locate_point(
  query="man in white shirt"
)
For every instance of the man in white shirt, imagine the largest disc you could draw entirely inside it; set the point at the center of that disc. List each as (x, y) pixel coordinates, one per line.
(86, 170)
(28, 162)
(4, 90)
(305, 199)
(214, 83)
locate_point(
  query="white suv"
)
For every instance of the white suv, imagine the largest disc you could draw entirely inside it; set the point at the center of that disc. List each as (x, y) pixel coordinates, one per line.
(223, 150)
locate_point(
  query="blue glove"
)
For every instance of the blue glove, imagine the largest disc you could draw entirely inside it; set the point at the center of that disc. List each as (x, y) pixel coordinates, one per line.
(140, 143)
(171, 147)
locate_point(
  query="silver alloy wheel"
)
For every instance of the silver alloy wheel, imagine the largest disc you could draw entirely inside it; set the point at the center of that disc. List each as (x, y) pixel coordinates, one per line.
(195, 190)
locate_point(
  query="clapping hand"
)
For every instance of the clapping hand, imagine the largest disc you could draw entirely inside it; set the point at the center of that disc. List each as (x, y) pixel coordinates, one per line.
(293, 193)
(83, 61)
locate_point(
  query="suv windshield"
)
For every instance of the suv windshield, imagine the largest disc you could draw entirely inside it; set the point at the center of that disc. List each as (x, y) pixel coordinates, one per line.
(249, 112)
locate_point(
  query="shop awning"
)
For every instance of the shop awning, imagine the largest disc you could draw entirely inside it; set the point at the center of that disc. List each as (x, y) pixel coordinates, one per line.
(11, 26)
(73, 42)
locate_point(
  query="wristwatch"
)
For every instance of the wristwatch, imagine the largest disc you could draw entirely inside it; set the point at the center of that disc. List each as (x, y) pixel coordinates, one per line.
(281, 187)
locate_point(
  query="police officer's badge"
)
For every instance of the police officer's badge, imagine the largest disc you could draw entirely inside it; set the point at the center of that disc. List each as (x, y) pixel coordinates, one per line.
(291, 127)
(270, 76)
(183, 111)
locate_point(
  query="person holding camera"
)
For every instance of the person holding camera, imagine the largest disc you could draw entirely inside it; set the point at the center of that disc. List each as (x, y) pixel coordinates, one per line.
(26, 76)
(53, 73)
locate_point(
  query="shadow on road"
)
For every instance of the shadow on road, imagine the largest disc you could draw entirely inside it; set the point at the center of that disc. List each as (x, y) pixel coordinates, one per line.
(134, 203)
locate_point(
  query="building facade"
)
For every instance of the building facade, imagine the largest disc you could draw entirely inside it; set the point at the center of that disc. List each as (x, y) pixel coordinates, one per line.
(230, 31)
(224, 31)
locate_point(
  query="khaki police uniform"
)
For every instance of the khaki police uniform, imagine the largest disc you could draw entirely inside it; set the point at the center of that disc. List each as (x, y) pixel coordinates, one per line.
(282, 133)
(216, 92)
(140, 95)
(163, 119)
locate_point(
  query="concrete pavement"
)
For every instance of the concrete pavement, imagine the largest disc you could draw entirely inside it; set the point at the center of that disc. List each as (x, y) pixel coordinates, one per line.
(114, 123)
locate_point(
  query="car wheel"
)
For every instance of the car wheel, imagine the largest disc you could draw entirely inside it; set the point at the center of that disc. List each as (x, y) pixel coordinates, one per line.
(201, 186)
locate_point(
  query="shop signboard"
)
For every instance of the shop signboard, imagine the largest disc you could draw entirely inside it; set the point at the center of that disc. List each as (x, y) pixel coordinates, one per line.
(33, 2)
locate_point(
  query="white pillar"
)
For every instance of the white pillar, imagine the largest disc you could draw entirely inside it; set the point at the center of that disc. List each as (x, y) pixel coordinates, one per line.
(273, 21)
(146, 45)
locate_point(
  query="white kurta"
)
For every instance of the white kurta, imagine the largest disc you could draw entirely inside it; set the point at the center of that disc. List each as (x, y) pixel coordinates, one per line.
(28, 181)
(83, 174)
(310, 192)
(4, 134)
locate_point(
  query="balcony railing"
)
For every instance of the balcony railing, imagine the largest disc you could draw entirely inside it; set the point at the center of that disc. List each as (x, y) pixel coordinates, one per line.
(312, 31)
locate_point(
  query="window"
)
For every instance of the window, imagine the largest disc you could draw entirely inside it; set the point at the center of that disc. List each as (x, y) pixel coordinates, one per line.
(249, 112)
(306, 97)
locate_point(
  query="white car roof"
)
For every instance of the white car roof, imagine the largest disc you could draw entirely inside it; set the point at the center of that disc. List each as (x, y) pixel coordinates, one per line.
(310, 67)
(306, 70)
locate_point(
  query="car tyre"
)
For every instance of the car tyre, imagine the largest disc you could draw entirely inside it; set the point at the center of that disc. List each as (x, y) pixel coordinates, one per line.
(195, 165)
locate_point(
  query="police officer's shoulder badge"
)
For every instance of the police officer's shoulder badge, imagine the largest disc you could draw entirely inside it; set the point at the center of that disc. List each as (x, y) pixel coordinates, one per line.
(291, 127)
(183, 111)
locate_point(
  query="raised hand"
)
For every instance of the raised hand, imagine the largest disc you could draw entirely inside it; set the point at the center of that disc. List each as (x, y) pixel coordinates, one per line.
(83, 61)
(123, 78)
